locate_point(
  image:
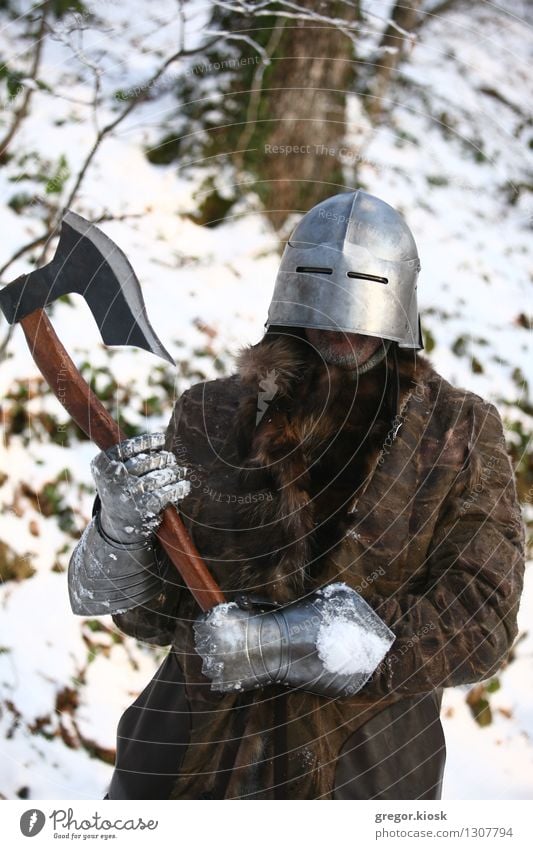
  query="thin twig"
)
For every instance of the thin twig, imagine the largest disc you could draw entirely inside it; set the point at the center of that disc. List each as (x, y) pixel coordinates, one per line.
(20, 113)
(138, 98)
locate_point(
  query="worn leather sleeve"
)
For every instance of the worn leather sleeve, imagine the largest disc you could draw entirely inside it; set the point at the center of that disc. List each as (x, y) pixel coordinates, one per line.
(461, 628)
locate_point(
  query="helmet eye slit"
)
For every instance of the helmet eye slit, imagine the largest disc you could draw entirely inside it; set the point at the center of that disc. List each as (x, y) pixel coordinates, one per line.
(311, 269)
(367, 277)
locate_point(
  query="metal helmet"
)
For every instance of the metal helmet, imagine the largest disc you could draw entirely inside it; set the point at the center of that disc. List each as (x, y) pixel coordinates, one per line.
(350, 265)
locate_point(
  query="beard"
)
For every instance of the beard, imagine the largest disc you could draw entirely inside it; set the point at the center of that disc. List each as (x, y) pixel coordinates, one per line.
(348, 351)
(334, 357)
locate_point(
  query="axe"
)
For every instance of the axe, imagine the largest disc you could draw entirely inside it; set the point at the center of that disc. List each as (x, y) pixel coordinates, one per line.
(89, 263)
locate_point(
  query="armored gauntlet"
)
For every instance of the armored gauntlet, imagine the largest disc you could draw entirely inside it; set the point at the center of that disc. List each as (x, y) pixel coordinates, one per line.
(114, 566)
(329, 644)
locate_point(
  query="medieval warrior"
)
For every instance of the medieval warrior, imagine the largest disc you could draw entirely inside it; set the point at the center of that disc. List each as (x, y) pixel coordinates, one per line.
(358, 511)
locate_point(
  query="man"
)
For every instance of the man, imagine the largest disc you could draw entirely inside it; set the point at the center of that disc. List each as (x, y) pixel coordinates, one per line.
(359, 513)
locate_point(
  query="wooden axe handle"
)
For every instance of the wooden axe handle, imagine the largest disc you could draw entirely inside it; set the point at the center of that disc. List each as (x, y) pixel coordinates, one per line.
(89, 413)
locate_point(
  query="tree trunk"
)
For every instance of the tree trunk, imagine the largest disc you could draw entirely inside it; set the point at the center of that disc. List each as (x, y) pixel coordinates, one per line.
(393, 47)
(301, 124)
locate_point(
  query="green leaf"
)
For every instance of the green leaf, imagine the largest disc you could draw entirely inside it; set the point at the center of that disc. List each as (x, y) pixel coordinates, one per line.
(94, 625)
(14, 83)
(63, 7)
(481, 712)
(55, 185)
(429, 340)
(459, 346)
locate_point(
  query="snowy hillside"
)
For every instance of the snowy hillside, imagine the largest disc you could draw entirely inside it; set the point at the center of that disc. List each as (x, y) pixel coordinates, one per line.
(453, 156)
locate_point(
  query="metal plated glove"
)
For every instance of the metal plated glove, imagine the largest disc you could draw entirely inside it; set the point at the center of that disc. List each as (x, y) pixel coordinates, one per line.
(329, 644)
(135, 480)
(114, 566)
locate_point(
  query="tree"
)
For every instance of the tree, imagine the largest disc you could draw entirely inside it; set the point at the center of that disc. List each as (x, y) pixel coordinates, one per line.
(274, 120)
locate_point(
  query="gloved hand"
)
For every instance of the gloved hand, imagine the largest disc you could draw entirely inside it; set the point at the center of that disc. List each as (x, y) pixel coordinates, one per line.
(329, 644)
(115, 567)
(135, 480)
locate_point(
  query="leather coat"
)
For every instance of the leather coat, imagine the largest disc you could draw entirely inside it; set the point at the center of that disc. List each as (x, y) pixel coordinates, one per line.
(409, 497)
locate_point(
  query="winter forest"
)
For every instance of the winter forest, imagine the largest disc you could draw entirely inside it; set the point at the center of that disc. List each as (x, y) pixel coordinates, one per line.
(195, 134)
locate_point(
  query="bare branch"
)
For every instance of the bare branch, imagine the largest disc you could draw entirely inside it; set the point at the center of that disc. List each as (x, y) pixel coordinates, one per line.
(284, 9)
(21, 251)
(182, 20)
(392, 48)
(132, 103)
(124, 216)
(20, 113)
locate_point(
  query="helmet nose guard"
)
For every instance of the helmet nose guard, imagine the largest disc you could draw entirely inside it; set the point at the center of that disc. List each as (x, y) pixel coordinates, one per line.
(350, 265)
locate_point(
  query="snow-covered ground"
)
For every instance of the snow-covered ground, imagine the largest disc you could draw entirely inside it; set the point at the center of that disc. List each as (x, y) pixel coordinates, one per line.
(64, 682)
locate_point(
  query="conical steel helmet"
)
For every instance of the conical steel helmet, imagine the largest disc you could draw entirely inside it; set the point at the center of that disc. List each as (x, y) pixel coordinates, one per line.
(350, 265)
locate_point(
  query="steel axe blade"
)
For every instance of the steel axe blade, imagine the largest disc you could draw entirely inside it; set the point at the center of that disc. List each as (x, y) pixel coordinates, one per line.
(89, 263)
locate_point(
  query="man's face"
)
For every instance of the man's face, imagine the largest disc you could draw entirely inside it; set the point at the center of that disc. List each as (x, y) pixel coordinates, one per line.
(347, 350)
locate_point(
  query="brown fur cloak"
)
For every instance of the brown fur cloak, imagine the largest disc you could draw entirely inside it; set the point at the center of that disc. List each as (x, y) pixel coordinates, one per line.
(396, 483)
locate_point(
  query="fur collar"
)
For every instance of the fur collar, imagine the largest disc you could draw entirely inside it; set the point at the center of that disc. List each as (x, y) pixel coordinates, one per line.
(312, 437)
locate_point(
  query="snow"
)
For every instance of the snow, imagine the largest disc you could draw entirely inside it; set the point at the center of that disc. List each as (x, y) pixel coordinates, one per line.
(220, 614)
(351, 637)
(33, 667)
(333, 589)
(216, 649)
(346, 648)
(495, 761)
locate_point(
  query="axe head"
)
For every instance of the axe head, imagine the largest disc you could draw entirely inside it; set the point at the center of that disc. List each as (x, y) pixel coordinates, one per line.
(89, 263)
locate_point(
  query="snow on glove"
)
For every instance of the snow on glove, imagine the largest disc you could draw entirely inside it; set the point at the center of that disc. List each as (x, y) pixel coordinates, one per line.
(136, 480)
(329, 644)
